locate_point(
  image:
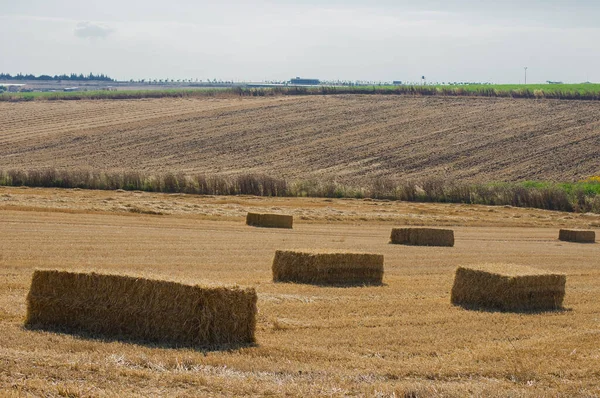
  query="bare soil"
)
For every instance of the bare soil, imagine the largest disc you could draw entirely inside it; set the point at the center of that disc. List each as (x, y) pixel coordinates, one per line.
(349, 138)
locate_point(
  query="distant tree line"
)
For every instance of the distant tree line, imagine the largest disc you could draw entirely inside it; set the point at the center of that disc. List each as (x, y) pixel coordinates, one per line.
(72, 77)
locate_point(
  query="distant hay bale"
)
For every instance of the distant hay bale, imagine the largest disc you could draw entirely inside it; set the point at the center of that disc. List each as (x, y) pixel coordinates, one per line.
(141, 309)
(422, 236)
(508, 287)
(327, 268)
(269, 220)
(577, 235)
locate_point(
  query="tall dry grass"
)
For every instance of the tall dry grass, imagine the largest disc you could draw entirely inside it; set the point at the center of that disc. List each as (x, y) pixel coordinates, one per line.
(572, 197)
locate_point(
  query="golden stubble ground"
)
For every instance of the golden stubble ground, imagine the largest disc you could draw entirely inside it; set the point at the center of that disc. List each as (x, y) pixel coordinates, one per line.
(402, 338)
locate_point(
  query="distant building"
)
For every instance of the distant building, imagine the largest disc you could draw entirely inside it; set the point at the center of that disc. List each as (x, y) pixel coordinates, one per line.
(305, 82)
(70, 89)
(397, 82)
(13, 88)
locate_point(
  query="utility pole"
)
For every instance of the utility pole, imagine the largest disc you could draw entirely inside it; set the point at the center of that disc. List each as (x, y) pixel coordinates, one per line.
(525, 75)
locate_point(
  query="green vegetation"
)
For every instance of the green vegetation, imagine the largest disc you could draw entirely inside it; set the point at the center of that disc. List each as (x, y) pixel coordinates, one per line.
(587, 187)
(69, 77)
(582, 88)
(588, 91)
(581, 196)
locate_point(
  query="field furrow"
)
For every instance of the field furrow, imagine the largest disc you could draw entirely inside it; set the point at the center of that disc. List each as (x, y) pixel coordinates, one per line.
(348, 138)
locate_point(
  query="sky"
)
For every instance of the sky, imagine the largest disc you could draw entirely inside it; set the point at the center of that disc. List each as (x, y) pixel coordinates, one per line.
(269, 40)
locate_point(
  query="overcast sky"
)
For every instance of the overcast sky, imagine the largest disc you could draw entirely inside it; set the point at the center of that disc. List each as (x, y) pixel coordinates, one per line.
(445, 40)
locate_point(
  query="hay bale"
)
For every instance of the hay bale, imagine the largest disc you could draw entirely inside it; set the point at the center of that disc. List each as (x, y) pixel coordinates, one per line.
(422, 236)
(269, 220)
(577, 235)
(508, 287)
(141, 309)
(327, 268)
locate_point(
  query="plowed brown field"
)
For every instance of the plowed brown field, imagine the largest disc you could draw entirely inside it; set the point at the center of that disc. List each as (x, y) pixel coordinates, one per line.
(403, 339)
(344, 137)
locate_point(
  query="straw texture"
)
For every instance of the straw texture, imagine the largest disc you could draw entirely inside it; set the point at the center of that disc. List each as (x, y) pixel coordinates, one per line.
(576, 235)
(422, 236)
(328, 268)
(141, 309)
(508, 287)
(269, 220)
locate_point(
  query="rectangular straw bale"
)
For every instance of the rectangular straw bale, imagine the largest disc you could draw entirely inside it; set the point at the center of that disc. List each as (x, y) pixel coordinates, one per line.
(269, 220)
(577, 235)
(141, 309)
(508, 287)
(422, 236)
(335, 268)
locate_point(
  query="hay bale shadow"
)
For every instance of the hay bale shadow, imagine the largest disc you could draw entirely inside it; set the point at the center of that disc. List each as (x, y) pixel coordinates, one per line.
(105, 338)
(577, 243)
(490, 310)
(336, 285)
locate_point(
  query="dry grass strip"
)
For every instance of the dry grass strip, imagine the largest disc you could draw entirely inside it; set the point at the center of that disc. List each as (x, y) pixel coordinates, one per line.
(577, 235)
(422, 236)
(141, 309)
(327, 268)
(269, 220)
(508, 287)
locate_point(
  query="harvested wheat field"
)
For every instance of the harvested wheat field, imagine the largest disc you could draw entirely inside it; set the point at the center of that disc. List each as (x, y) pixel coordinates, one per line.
(346, 137)
(403, 338)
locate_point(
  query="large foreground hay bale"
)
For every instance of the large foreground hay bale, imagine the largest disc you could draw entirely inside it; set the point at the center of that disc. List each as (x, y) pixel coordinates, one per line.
(577, 235)
(269, 220)
(141, 309)
(422, 236)
(327, 268)
(508, 287)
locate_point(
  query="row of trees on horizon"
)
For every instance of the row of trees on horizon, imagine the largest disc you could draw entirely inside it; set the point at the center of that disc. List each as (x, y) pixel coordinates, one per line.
(72, 76)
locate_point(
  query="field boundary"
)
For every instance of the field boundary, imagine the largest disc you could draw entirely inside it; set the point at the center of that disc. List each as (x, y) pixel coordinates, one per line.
(584, 92)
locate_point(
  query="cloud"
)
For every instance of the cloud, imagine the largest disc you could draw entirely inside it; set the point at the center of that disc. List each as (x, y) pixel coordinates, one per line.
(92, 30)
